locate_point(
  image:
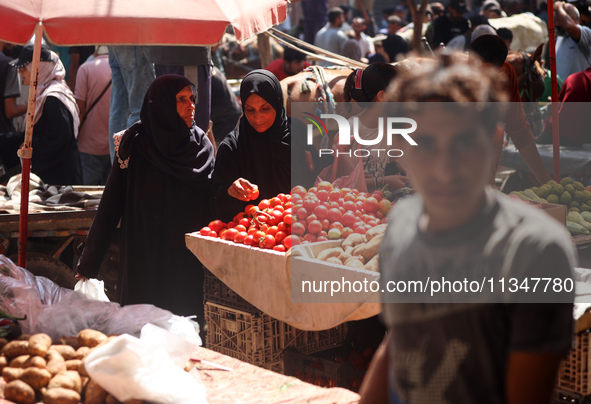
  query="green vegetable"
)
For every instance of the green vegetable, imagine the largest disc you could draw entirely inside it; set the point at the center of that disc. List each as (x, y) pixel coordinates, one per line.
(576, 217)
(576, 229)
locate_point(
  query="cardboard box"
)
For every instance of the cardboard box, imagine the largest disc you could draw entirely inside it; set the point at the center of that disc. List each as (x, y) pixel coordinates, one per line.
(557, 211)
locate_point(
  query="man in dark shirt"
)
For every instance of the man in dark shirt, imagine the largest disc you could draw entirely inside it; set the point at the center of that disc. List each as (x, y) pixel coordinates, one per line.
(447, 27)
(394, 44)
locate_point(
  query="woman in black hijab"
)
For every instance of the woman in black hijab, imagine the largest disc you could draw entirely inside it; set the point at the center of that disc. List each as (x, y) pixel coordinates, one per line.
(159, 188)
(257, 154)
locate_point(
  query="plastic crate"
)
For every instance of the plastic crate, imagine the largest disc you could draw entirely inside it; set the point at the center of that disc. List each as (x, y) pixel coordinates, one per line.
(260, 339)
(216, 291)
(324, 369)
(573, 373)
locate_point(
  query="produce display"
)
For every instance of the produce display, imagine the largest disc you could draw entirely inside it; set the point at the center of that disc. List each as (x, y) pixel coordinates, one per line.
(266, 225)
(36, 369)
(570, 193)
(357, 250)
(325, 212)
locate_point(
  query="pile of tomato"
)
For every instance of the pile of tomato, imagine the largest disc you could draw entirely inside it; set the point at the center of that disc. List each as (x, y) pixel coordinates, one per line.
(325, 212)
(266, 225)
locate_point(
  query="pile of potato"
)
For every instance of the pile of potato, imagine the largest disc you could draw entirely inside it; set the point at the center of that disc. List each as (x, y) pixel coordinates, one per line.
(35, 370)
(357, 250)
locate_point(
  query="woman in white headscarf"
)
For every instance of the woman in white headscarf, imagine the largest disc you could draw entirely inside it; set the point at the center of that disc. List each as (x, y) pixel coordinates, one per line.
(55, 150)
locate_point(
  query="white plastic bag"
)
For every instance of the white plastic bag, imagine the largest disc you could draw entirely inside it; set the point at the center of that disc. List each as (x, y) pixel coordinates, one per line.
(149, 368)
(92, 289)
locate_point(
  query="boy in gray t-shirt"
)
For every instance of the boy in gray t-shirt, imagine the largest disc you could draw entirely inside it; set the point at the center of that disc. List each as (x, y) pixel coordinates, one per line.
(477, 343)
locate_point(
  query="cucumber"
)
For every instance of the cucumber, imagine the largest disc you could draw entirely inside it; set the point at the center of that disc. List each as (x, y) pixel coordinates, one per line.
(586, 216)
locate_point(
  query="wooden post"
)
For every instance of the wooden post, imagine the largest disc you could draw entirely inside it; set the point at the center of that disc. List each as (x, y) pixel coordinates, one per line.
(265, 51)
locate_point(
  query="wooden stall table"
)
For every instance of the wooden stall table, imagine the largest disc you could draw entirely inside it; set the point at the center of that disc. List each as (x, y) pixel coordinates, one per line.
(249, 384)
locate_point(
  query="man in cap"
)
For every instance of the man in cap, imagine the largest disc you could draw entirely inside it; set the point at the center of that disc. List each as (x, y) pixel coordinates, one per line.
(451, 25)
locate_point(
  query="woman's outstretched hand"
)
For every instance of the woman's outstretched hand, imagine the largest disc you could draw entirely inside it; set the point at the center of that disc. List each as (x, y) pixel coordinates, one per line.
(243, 190)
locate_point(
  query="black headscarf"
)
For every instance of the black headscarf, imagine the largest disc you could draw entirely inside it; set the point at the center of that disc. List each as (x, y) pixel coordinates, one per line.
(163, 138)
(267, 155)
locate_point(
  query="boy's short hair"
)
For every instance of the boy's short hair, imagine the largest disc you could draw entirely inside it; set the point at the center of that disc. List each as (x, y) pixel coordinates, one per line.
(289, 55)
(454, 81)
(491, 49)
(505, 33)
(334, 13)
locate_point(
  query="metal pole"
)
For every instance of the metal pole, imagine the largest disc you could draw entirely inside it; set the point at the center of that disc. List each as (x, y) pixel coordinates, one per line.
(554, 88)
(26, 151)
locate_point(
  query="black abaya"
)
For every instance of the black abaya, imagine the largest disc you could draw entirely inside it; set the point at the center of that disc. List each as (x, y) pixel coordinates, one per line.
(264, 159)
(160, 196)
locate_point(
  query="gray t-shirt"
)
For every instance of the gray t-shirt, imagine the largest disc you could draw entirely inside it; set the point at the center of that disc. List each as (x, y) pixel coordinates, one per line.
(12, 87)
(573, 57)
(331, 39)
(457, 352)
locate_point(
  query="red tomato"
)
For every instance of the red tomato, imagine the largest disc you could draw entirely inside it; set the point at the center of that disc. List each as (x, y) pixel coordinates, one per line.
(321, 212)
(254, 194)
(240, 228)
(290, 241)
(283, 227)
(346, 232)
(251, 230)
(282, 197)
(274, 201)
(334, 215)
(360, 230)
(302, 213)
(204, 231)
(371, 204)
(279, 236)
(267, 242)
(244, 222)
(298, 190)
(230, 234)
(258, 235)
(264, 204)
(277, 216)
(322, 194)
(335, 195)
(312, 190)
(348, 219)
(239, 216)
(309, 238)
(287, 219)
(249, 240)
(379, 195)
(217, 225)
(272, 230)
(298, 229)
(315, 227)
(212, 234)
(311, 218)
(337, 225)
(325, 224)
(350, 205)
(231, 225)
(240, 237)
(321, 238)
(310, 203)
(287, 205)
(280, 208)
(279, 247)
(325, 185)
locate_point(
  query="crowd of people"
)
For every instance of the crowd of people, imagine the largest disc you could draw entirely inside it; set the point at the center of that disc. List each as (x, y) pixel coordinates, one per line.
(162, 129)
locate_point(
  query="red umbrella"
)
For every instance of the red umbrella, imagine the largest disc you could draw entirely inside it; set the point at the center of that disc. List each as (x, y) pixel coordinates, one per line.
(119, 22)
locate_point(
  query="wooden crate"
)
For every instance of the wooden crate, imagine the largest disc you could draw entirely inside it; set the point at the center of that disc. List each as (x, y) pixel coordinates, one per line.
(260, 339)
(573, 373)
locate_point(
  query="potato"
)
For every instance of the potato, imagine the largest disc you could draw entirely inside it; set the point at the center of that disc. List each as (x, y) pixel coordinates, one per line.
(55, 362)
(39, 344)
(354, 262)
(94, 394)
(59, 395)
(349, 249)
(82, 370)
(344, 256)
(66, 351)
(373, 264)
(376, 231)
(370, 249)
(352, 240)
(36, 362)
(15, 348)
(334, 260)
(9, 374)
(19, 361)
(82, 352)
(3, 363)
(69, 379)
(90, 338)
(329, 252)
(71, 341)
(73, 364)
(19, 392)
(36, 378)
(3, 341)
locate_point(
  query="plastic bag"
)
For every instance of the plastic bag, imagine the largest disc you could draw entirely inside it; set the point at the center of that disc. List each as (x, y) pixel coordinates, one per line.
(60, 312)
(344, 173)
(149, 368)
(92, 289)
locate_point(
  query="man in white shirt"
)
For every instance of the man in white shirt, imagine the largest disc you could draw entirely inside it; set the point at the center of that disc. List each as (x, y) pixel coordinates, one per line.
(573, 42)
(365, 43)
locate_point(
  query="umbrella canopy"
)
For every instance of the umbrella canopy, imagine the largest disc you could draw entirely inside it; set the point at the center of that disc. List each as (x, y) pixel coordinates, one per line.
(122, 22)
(132, 22)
